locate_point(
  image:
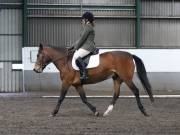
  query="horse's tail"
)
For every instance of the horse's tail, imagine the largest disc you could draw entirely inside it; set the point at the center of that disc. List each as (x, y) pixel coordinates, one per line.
(141, 71)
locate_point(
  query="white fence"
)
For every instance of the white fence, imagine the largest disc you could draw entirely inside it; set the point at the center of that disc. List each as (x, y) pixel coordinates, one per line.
(155, 60)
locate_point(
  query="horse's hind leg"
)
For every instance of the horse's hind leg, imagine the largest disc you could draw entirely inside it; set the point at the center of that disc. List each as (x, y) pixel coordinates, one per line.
(82, 94)
(117, 82)
(135, 90)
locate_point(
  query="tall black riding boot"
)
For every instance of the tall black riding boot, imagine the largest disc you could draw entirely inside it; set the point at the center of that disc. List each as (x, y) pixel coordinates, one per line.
(83, 72)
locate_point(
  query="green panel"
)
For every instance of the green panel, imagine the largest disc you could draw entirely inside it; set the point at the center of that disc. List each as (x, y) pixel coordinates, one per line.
(138, 23)
(25, 32)
(10, 5)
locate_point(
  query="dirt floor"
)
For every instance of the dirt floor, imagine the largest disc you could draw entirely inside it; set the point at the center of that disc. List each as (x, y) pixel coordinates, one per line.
(28, 115)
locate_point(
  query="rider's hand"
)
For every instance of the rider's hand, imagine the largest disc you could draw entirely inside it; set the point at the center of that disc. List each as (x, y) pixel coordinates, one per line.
(71, 50)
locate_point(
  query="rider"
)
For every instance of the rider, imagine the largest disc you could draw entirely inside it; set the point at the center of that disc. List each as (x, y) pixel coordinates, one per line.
(85, 44)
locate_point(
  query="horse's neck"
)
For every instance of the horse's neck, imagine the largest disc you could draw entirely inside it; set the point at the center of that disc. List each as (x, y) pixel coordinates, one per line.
(54, 53)
(58, 59)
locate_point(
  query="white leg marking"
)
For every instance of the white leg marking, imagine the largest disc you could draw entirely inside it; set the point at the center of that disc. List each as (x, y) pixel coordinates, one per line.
(110, 108)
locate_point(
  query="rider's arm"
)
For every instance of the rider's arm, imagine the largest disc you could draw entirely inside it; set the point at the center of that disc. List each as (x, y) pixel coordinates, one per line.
(83, 38)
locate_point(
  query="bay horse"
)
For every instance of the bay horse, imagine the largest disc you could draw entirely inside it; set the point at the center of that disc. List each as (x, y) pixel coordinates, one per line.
(117, 65)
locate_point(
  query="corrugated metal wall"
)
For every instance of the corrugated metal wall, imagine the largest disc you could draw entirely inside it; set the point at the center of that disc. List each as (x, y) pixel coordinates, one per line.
(115, 32)
(114, 28)
(113, 2)
(157, 8)
(10, 35)
(11, 81)
(161, 33)
(60, 32)
(54, 31)
(168, 8)
(10, 49)
(160, 24)
(109, 2)
(61, 26)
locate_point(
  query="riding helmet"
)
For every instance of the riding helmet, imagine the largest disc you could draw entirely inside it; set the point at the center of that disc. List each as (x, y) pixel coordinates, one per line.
(89, 16)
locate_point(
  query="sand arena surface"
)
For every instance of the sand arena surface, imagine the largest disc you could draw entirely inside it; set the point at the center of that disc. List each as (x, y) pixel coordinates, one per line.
(29, 116)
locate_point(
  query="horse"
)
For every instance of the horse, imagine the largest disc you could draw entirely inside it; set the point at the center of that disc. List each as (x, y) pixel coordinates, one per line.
(118, 65)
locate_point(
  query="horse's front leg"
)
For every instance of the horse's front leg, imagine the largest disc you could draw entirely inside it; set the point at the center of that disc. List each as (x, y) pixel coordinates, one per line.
(64, 89)
(82, 94)
(117, 82)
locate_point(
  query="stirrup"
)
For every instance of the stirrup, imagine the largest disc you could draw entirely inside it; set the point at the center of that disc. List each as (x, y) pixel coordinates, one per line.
(83, 76)
(83, 81)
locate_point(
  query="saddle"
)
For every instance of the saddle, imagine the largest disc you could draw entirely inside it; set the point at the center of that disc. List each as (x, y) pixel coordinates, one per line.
(91, 60)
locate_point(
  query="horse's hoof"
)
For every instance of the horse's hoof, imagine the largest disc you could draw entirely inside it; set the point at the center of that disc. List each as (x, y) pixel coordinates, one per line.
(147, 115)
(108, 111)
(96, 113)
(51, 115)
(105, 114)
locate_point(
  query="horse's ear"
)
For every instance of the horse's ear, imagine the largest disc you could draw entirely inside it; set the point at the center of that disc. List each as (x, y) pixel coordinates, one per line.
(41, 46)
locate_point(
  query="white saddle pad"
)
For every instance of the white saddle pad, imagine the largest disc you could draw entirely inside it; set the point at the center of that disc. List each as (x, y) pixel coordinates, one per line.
(93, 62)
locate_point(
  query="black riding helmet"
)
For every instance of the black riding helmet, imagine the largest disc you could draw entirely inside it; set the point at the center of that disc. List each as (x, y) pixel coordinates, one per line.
(89, 16)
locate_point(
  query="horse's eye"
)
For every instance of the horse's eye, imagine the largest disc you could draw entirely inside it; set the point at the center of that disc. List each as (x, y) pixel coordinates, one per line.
(38, 55)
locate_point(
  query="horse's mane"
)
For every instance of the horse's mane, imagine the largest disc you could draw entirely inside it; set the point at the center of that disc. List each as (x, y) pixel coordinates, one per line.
(60, 49)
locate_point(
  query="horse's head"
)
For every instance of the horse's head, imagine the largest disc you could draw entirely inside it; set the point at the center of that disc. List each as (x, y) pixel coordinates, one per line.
(42, 60)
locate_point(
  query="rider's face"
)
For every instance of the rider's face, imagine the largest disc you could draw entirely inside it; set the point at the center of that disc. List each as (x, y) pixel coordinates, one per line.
(83, 21)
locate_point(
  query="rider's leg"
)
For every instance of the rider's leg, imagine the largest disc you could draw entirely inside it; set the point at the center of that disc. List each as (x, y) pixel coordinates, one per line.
(78, 55)
(80, 63)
